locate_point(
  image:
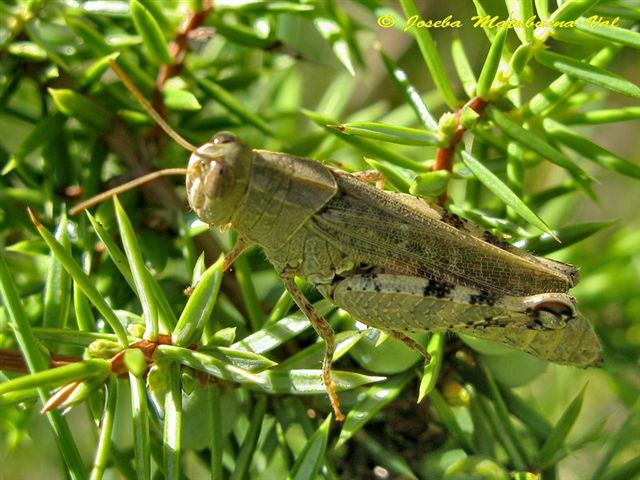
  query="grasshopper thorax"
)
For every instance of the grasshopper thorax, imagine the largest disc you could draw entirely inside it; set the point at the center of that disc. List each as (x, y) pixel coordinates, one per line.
(217, 177)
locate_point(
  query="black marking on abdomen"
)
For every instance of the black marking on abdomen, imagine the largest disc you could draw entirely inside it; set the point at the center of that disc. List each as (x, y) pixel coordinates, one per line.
(452, 219)
(437, 289)
(495, 241)
(483, 298)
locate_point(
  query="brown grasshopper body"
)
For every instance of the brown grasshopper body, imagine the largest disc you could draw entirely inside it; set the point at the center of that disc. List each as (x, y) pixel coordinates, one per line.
(391, 260)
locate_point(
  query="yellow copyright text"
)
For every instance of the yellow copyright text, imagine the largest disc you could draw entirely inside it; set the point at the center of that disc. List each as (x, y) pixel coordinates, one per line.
(489, 21)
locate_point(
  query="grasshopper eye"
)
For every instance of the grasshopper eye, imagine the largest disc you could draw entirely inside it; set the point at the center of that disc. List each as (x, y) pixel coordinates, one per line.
(224, 138)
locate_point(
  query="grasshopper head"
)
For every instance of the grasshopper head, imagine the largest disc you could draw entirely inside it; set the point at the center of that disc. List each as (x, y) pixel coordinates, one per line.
(217, 177)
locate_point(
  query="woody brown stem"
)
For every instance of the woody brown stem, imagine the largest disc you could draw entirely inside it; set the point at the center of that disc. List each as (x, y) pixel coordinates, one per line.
(178, 46)
(177, 50)
(13, 361)
(445, 155)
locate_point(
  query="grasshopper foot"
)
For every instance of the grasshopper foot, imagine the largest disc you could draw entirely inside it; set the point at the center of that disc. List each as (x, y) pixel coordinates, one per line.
(411, 343)
(331, 389)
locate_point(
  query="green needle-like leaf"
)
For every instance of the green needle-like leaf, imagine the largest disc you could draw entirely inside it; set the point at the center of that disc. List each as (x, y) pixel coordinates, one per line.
(588, 73)
(364, 145)
(251, 362)
(558, 436)
(37, 364)
(57, 376)
(247, 450)
(57, 292)
(273, 336)
(89, 35)
(139, 271)
(234, 105)
(168, 317)
(45, 131)
(83, 281)
(311, 457)
(630, 469)
(371, 402)
(594, 117)
(504, 193)
(564, 86)
(545, 244)
(331, 31)
(72, 337)
(590, 150)
(94, 72)
(180, 99)
(76, 105)
(613, 34)
(241, 34)
(103, 450)
(313, 355)
(527, 414)
(248, 291)
(391, 133)
(215, 419)
(151, 34)
(522, 10)
(225, 363)
(431, 371)
(409, 91)
(571, 9)
(512, 440)
(172, 434)
(389, 459)
(140, 416)
(533, 142)
(616, 441)
(491, 64)
(463, 67)
(155, 9)
(447, 417)
(309, 382)
(431, 56)
(198, 309)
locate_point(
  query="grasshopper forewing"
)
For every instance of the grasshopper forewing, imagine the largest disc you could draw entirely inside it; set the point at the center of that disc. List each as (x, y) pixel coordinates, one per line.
(391, 260)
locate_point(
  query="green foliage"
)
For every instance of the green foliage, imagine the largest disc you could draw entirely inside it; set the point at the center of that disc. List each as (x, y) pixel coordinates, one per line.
(227, 383)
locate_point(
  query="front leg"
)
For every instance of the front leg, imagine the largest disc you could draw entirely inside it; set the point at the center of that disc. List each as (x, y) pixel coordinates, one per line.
(324, 330)
(241, 245)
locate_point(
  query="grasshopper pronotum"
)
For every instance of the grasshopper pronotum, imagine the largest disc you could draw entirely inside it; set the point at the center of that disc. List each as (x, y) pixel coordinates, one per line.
(391, 260)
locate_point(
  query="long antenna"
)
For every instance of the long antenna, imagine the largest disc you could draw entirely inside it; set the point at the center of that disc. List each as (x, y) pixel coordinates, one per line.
(125, 187)
(150, 110)
(150, 176)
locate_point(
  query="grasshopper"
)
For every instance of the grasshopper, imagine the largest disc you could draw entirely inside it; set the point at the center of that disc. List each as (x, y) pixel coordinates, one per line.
(391, 260)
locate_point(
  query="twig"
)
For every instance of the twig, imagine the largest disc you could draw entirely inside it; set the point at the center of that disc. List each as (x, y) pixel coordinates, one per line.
(445, 155)
(13, 360)
(178, 46)
(177, 50)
